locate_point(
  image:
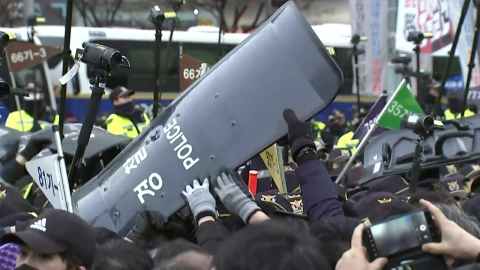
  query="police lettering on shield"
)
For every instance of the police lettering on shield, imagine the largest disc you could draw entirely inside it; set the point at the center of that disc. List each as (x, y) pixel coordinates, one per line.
(182, 148)
(147, 186)
(134, 161)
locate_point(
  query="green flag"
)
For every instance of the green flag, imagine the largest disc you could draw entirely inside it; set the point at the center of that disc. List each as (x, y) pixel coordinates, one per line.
(403, 102)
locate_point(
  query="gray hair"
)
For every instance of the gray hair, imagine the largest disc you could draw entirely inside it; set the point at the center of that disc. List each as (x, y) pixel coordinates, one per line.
(465, 221)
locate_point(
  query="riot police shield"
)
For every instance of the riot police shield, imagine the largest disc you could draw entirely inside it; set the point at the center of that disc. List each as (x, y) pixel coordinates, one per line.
(223, 119)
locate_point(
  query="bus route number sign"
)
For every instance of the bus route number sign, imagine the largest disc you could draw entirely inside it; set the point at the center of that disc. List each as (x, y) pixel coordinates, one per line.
(24, 55)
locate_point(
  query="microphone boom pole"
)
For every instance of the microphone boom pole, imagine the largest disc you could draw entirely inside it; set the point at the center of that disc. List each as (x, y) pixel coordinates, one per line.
(355, 53)
(66, 57)
(471, 63)
(451, 55)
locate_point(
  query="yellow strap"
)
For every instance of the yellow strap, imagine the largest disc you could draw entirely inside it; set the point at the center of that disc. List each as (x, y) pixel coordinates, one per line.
(27, 191)
(33, 214)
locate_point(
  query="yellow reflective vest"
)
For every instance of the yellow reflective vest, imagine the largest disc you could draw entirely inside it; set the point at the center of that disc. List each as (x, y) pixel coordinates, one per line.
(318, 127)
(16, 118)
(347, 141)
(120, 125)
(449, 115)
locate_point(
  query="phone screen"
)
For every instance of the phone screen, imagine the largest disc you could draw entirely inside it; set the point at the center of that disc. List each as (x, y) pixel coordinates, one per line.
(398, 235)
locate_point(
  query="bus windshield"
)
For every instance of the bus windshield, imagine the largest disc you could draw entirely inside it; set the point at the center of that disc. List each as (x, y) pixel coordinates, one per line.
(140, 77)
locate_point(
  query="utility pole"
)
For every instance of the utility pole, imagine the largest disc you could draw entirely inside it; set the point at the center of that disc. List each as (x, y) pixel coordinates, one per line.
(28, 10)
(268, 8)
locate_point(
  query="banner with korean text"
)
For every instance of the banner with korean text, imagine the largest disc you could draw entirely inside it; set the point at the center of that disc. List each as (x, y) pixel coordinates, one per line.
(368, 18)
(464, 48)
(440, 18)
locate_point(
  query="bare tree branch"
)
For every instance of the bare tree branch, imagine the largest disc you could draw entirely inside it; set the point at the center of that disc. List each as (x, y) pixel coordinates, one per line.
(257, 17)
(6, 7)
(88, 11)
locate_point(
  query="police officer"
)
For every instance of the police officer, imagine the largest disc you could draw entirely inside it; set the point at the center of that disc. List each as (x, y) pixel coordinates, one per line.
(125, 119)
(454, 107)
(317, 128)
(24, 120)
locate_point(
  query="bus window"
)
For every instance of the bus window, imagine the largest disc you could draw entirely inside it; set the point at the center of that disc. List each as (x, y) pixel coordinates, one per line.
(344, 61)
(143, 67)
(207, 53)
(55, 64)
(35, 74)
(439, 64)
(56, 42)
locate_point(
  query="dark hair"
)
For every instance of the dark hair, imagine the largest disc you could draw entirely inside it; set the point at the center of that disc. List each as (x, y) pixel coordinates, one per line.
(382, 212)
(442, 197)
(269, 245)
(168, 265)
(170, 249)
(104, 235)
(335, 235)
(73, 262)
(121, 255)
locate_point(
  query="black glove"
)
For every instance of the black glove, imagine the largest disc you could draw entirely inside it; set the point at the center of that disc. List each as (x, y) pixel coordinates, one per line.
(299, 133)
(36, 127)
(148, 225)
(36, 143)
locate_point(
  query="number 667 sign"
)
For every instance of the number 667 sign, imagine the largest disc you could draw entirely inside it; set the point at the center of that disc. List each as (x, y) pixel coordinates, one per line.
(190, 70)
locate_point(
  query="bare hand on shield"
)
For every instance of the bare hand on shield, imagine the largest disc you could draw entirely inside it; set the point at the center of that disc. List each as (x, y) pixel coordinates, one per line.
(234, 199)
(299, 134)
(200, 200)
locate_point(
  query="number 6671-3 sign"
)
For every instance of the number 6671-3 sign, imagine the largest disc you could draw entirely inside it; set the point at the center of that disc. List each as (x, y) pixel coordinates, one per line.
(23, 55)
(190, 70)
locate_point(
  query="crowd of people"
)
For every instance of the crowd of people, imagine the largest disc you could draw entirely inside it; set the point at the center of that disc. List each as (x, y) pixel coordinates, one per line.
(318, 224)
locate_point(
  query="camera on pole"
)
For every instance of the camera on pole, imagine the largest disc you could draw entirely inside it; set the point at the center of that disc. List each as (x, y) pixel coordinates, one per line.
(422, 125)
(404, 60)
(157, 18)
(355, 53)
(103, 61)
(417, 39)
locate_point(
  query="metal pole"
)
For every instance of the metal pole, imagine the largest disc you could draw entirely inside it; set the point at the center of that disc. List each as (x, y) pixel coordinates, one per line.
(451, 55)
(220, 29)
(28, 10)
(357, 78)
(471, 63)
(364, 142)
(66, 56)
(63, 169)
(420, 94)
(157, 91)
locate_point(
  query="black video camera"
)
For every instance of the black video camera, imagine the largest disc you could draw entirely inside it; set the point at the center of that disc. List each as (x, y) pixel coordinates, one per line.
(100, 57)
(417, 37)
(157, 16)
(402, 59)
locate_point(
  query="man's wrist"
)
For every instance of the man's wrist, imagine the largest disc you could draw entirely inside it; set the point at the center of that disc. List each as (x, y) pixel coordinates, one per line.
(205, 219)
(21, 159)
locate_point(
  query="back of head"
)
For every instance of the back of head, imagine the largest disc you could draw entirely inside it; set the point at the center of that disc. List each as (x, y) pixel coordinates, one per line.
(121, 255)
(105, 235)
(442, 197)
(170, 249)
(194, 259)
(269, 245)
(462, 219)
(335, 235)
(168, 265)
